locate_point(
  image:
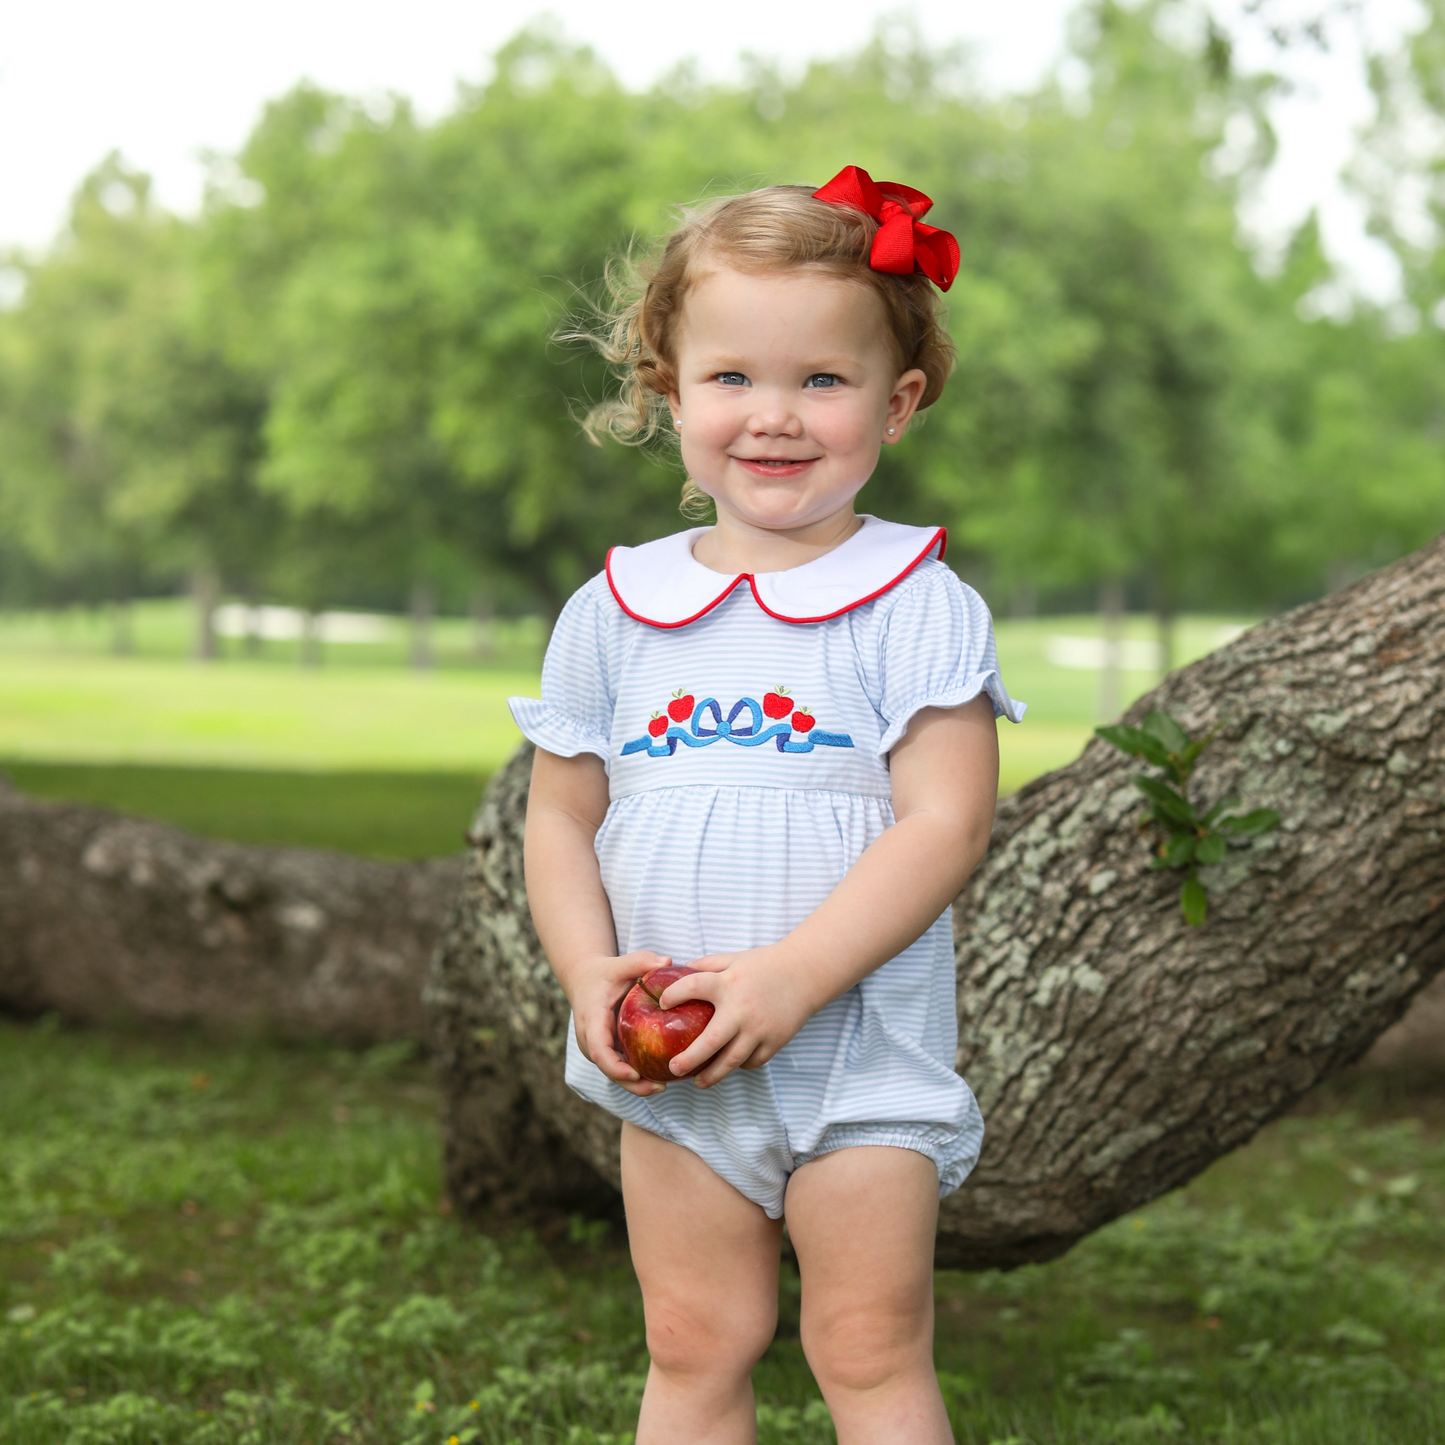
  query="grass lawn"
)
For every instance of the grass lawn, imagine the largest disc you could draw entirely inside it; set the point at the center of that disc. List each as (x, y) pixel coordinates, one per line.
(325, 747)
(59, 708)
(204, 1243)
(378, 815)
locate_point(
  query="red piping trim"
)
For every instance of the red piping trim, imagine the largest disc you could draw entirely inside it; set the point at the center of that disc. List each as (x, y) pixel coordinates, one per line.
(939, 539)
(638, 617)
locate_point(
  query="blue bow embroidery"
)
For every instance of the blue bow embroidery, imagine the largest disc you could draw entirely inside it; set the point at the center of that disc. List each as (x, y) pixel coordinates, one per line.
(754, 735)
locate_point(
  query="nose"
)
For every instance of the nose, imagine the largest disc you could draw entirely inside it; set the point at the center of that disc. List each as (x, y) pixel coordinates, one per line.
(772, 416)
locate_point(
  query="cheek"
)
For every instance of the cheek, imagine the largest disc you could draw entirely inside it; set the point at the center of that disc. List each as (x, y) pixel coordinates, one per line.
(847, 428)
(707, 420)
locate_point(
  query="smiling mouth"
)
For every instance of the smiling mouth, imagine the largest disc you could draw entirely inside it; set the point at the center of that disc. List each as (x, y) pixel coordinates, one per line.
(775, 461)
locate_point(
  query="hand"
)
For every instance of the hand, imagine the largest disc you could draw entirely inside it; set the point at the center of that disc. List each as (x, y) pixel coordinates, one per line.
(762, 997)
(600, 982)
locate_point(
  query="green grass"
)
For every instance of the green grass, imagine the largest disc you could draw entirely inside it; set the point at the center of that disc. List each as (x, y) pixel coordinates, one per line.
(158, 733)
(378, 815)
(254, 714)
(206, 1242)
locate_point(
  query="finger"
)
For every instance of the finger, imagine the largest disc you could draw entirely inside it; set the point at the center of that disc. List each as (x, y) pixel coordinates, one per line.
(694, 985)
(604, 1053)
(758, 1057)
(715, 1037)
(730, 1059)
(644, 960)
(615, 1065)
(711, 962)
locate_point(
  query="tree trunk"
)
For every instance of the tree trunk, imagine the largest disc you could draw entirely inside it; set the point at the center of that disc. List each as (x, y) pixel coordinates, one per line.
(122, 628)
(310, 650)
(105, 917)
(1165, 616)
(1111, 627)
(484, 623)
(253, 641)
(206, 594)
(1116, 1052)
(1417, 1042)
(423, 609)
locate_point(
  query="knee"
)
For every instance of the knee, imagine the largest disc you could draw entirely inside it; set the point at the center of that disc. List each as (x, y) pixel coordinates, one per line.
(688, 1340)
(863, 1349)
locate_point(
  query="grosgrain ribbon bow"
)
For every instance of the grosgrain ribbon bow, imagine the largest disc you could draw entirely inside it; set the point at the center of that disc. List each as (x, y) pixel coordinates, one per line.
(903, 243)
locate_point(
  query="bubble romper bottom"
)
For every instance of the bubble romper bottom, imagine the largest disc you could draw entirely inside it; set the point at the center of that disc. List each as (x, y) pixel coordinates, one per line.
(745, 723)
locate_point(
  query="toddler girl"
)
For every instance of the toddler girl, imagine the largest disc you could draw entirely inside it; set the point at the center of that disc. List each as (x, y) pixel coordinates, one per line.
(767, 749)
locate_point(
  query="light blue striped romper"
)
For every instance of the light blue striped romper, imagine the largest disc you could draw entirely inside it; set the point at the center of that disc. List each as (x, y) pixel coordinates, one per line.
(745, 724)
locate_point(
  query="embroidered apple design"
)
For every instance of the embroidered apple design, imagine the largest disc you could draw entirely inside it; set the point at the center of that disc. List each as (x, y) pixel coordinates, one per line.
(777, 704)
(803, 720)
(680, 708)
(658, 725)
(652, 1036)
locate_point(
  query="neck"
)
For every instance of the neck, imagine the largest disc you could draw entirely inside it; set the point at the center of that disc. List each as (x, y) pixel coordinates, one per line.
(733, 545)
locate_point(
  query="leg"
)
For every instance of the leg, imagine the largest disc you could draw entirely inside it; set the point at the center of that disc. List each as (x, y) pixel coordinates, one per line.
(862, 1221)
(707, 1261)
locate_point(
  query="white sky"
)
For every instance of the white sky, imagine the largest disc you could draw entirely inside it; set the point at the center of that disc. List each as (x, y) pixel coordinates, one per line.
(162, 81)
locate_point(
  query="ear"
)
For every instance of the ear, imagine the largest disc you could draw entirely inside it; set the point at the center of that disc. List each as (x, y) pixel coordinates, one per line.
(907, 393)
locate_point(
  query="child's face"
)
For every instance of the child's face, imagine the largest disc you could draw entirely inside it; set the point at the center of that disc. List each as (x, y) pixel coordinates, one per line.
(786, 388)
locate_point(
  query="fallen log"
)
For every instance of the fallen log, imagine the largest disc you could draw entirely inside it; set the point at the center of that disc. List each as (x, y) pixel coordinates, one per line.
(105, 917)
(1115, 1050)
(344, 996)
(1417, 1043)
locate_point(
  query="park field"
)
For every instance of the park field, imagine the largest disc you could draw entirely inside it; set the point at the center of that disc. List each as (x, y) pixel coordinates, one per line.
(366, 753)
(208, 1243)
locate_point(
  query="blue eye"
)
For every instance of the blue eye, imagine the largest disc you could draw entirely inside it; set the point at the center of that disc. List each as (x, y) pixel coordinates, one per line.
(731, 378)
(822, 380)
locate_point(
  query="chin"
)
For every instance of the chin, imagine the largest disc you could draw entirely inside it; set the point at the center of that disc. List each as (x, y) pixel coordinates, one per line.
(779, 519)
(780, 507)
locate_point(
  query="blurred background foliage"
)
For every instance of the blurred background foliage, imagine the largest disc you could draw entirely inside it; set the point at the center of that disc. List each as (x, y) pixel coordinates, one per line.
(336, 385)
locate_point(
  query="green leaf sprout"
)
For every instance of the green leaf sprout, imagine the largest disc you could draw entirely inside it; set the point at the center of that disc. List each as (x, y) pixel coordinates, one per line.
(1183, 837)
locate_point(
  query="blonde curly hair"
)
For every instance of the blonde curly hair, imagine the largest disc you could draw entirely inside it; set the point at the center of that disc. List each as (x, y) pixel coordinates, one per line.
(774, 228)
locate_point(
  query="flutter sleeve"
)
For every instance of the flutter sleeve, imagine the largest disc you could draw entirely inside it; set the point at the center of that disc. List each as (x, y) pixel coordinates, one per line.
(936, 649)
(574, 713)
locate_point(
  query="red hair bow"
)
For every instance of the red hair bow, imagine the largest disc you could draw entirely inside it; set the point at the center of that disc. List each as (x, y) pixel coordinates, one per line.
(903, 243)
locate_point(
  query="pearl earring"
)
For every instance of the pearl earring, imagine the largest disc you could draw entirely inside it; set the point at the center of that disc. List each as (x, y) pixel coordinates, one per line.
(891, 430)
(677, 422)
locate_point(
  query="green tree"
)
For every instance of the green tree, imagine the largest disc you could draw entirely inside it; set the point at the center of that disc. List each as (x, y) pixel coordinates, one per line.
(127, 444)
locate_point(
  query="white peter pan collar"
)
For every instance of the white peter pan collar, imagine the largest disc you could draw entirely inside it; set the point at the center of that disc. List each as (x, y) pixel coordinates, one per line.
(663, 584)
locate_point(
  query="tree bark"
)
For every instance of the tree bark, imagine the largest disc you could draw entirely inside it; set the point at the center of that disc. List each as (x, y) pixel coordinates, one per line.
(122, 628)
(104, 917)
(423, 610)
(310, 650)
(206, 595)
(1111, 632)
(483, 614)
(1417, 1043)
(1116, 1052)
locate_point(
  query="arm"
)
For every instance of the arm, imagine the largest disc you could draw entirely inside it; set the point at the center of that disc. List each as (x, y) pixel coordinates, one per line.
(945, 783)
(565, 808)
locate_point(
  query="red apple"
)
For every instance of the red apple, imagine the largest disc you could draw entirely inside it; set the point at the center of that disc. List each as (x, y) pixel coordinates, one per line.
(658, 725)
(778, 704)
(803, 720)
(652, 1036)
(680, 708)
